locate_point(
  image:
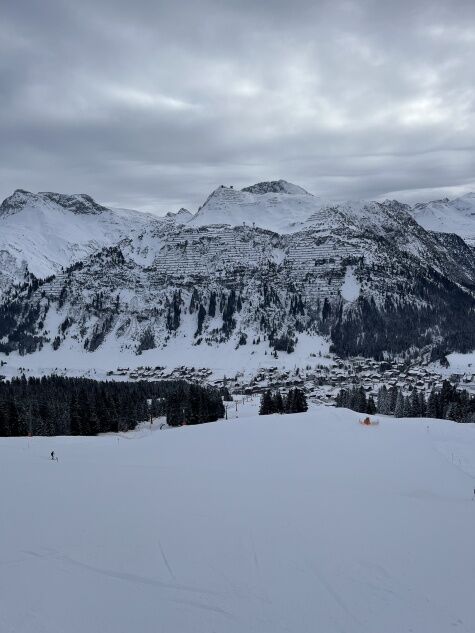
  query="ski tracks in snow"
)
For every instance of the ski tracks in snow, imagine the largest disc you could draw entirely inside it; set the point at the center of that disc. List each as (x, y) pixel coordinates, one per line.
(165, 560)
(143, 580)
(337, 599)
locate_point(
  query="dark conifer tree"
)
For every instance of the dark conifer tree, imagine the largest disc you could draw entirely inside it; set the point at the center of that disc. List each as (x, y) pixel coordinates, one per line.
(448, 403)
(300, 401)
(432, 408)
(78, 406)
(392, 399)
(399, 408)
(267, 404)
(278, 402)
(212, 305)
(383, 400)
(201, 318)
(422, 404)
(371, 407)
(4, 431)
(414, 406)
(289, 401)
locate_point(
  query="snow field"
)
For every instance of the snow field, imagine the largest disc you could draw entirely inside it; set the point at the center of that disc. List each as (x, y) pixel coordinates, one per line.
(351, 287)
(449, 216)
(297, 523)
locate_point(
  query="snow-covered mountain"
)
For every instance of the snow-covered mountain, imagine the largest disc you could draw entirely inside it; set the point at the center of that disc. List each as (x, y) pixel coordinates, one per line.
(365, 275)
(263, 267)
(277, 206)
(182, 216)
(283, 207)
(276, 186)
(449, 216)
(41, 233)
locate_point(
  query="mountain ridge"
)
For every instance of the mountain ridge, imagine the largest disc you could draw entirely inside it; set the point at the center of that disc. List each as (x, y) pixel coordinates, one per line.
(364, 275)
(372, 283)
(449, 216)
(76, 203)
(276, 186)
(41, 233)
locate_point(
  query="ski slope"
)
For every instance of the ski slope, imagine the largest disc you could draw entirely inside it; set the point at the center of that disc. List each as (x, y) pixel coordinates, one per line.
(297, 524)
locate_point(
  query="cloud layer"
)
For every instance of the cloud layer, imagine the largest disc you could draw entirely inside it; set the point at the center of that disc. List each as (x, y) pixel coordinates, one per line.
(153, 104)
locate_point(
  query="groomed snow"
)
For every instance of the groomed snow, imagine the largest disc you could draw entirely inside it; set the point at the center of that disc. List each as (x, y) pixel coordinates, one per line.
(299, 523)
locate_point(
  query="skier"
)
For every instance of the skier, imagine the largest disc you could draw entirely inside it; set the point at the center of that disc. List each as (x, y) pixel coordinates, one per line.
(52, 455)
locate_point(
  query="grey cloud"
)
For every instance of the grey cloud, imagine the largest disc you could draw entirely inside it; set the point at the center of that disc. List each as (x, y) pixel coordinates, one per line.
(153, 104)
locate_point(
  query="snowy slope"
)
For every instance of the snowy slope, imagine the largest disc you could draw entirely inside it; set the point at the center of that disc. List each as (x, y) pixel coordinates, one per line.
(283, 207)
(277, 206)
(353, 272)
(449, 216)
(45, 231)
(40, 233)
(326, 279)
(298, 524)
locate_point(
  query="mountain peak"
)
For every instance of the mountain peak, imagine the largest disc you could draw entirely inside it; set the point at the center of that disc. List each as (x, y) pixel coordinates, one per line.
(80, 203)
(182, 215)
(19, 199)
(449, 216)
(284, 208)
(75, 203)
(276, 186)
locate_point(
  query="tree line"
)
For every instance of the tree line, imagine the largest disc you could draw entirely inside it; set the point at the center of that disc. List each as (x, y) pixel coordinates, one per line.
(54, 405)
(447, 403)
(273, 402)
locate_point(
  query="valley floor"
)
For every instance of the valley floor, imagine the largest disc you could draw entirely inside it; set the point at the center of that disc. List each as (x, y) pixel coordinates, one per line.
(297, 523)
(223, 359)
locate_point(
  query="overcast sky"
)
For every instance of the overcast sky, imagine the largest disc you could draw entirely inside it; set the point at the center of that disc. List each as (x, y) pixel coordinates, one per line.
(151, 104)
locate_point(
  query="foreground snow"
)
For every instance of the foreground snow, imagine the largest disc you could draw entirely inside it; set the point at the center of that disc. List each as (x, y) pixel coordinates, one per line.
(299, 523)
